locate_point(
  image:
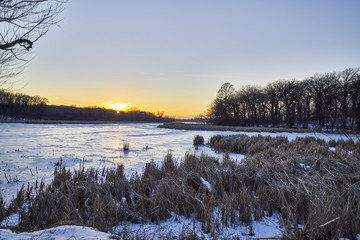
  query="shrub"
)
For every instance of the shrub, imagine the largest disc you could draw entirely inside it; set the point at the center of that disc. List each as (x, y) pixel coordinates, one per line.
(198, 140)
(126, 146)
(245, 144)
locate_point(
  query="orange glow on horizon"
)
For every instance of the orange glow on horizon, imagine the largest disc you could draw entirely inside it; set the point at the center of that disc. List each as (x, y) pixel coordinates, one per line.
(185, 109)
(119, 107)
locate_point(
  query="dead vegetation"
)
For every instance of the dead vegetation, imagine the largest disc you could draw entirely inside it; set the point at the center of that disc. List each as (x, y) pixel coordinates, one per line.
(315, 191)
(126, 146)
(198, 140)
(245, 144)
(210, 127)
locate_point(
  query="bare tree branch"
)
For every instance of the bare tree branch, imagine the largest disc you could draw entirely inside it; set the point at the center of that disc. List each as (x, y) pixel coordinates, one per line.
(22, 23)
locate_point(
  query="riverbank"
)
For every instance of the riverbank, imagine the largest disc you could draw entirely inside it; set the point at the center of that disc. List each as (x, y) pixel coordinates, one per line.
(209, 127)
(72, 122)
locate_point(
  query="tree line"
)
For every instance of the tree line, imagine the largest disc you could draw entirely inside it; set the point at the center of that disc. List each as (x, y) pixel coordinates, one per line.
(21, 106)
(328, 100)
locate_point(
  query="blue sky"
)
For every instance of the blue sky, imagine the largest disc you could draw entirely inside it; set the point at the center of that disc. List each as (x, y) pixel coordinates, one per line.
(173, 56)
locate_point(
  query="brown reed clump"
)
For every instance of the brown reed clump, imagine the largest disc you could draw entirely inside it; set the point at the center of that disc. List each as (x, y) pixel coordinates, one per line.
(315, 192)
(3, 210)
(198, 140)
(245, 144)
(126, 146)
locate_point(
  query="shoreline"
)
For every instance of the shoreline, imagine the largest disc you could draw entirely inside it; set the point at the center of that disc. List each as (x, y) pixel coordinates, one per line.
(209, 127)
(72, 122)
(180, 125)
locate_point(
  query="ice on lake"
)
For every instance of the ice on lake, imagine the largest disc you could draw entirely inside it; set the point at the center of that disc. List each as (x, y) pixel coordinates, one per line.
(29, 151)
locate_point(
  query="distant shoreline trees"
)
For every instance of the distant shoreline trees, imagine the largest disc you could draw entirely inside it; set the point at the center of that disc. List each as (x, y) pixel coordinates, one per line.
(329, 100)
(19, 106)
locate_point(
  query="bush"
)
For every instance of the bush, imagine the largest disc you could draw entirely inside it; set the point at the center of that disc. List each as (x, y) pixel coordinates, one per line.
(245, 144)
(198, 140)
(126, 146)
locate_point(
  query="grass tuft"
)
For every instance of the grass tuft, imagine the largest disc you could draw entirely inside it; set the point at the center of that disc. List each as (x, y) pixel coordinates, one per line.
(198, 140)
(126, 146)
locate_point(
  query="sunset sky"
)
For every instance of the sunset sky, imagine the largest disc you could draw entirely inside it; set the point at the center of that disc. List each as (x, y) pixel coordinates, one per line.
(173, 56)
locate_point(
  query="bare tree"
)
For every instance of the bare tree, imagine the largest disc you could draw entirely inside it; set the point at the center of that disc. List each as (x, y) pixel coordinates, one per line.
(22, 23)
(324, 100)
(346, 81)
(288, 96)
(272, 95)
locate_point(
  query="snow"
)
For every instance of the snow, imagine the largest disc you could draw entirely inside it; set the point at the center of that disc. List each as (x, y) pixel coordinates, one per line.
(173, 226)
(357, 237)
(61, 232)
(11, 221)
(176, 225)
(304, 166)
(206, 183)
(29, 153)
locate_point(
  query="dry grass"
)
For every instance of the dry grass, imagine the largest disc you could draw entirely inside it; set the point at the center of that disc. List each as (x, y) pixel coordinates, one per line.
(126, 146)
(3, 212)
(198, 140)
(315, 192)
(245, 144)
(197, 126)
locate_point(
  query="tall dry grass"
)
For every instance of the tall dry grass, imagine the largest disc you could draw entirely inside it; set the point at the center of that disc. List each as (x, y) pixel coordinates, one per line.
(314, 191)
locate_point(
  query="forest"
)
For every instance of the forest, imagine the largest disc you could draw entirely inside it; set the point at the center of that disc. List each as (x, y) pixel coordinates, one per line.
(322, 101)
(18, 106)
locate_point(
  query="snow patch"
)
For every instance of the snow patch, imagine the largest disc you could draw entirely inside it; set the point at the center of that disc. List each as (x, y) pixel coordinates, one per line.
(60, 233)
(304, 166)
(206, 183)
(11, 220)
(177, 225)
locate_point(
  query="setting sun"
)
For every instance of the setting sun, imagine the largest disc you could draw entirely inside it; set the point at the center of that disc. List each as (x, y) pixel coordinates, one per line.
(119, 107)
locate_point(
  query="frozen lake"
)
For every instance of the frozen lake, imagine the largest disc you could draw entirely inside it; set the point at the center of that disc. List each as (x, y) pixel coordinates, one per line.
(29, 151)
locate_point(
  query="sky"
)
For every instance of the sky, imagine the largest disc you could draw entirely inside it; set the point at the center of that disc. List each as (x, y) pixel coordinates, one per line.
(173, 56)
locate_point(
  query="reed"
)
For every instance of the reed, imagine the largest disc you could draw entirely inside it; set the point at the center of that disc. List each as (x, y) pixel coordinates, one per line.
(126, 146)
(198, 140)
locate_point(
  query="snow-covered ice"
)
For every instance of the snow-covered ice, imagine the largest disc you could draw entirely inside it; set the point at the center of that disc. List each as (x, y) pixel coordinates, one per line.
(62, 232)
(30, 151)
(267, 228)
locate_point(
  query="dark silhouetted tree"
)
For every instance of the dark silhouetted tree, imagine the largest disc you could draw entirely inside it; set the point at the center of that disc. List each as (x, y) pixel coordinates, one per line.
(345, 80)
(272, 96)
(324, 100)
(22, 23)
(221, 110)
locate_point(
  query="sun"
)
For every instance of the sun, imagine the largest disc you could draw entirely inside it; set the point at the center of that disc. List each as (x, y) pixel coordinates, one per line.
(119, 107)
